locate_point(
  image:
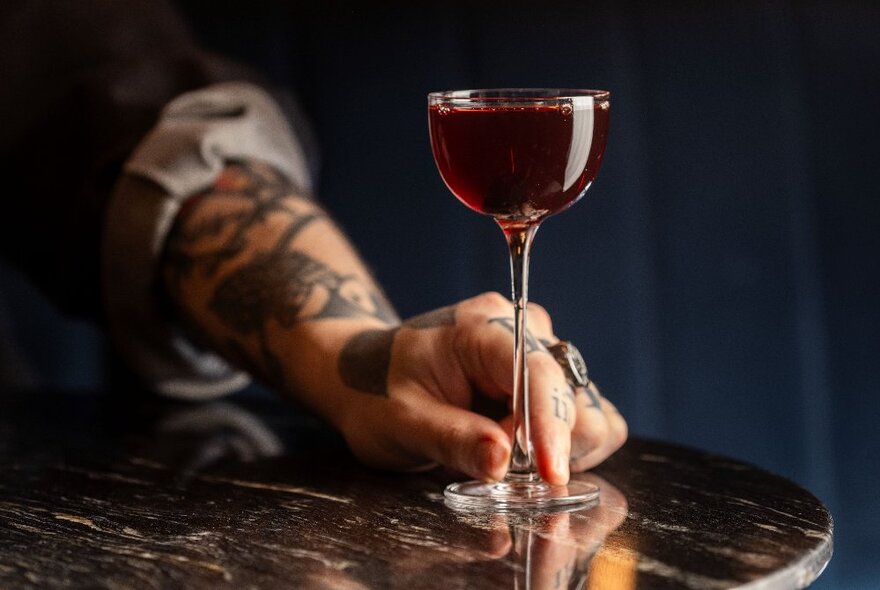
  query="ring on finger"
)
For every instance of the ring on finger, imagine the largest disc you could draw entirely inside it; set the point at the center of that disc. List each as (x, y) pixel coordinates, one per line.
(572, 363)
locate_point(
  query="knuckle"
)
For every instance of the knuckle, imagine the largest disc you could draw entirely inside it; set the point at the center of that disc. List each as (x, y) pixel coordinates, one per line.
(620, 431)
(493, 300)
(541, 316)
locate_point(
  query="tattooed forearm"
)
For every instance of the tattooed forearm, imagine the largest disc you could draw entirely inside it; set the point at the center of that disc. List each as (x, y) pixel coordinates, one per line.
(290, 287)
(250, 193)
(238, 240)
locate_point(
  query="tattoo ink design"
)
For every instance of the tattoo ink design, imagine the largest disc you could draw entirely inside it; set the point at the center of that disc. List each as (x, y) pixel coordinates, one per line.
(532, 344)
(282, 271)
(282, 284)
(257, 189)
(289, 287)
(592, 397)
(560, 408)
(365, 359)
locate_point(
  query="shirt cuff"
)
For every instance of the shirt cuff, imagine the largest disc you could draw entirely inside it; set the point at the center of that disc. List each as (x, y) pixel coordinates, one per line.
(196, 135)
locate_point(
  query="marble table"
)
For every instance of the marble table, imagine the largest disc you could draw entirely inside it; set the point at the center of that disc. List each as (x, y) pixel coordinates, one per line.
(125, 492)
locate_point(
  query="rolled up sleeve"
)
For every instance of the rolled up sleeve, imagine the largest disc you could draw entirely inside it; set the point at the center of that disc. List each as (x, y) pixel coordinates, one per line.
(195, 136)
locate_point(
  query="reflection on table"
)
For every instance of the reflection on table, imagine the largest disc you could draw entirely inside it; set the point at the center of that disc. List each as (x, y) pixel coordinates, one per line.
(252, 493)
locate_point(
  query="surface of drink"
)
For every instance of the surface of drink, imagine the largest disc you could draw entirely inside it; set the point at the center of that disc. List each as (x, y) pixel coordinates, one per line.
(519, 163)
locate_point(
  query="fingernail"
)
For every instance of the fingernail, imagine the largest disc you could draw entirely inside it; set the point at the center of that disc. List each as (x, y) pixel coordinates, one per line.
(562, 467)
(490, 460)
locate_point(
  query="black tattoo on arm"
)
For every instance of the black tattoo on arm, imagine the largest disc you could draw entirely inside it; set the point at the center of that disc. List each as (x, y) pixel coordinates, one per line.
(254, 191)
(280, 284)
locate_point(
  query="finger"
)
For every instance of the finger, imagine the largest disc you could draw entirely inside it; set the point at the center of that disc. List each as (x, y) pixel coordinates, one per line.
(552, 406)
(551, 400)
(488, 539)
(486, 329)
(487, 357)
(485, 343)
(590, 530)
(614, 439)
(554, 553)
(591, 428)
(500, 542)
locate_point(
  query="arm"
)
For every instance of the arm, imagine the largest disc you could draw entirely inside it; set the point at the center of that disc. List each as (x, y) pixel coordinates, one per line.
(399, 393)
(261, 274)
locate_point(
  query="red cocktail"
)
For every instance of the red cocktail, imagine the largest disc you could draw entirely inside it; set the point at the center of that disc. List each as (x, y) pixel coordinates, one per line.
(519, 156)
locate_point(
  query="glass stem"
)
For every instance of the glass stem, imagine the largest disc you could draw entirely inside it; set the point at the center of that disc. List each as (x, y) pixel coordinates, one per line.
(522, 461)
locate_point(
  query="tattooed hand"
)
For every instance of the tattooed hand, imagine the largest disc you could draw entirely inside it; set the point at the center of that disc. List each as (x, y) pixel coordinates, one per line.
(427, 374)
(262, 275)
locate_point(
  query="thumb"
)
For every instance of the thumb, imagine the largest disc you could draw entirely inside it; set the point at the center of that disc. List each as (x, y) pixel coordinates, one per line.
(424, 427)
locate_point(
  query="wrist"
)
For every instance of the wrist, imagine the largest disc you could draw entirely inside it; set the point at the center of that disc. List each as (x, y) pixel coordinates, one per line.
(336, 366)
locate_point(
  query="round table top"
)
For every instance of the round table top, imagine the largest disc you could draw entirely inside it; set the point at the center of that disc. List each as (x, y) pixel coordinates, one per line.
(248, 493)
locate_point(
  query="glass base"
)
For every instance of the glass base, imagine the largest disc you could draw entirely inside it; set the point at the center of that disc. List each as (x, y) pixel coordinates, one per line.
(505, 495)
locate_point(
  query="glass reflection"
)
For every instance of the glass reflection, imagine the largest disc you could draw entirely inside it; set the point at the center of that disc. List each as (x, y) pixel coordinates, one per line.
(534, 551)
(560, 549)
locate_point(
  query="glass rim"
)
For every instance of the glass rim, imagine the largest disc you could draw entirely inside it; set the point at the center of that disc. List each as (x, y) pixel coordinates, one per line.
(517, 96)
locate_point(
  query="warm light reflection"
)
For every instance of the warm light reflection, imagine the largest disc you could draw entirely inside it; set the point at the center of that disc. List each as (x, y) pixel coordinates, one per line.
(557, 550)
(613, 569)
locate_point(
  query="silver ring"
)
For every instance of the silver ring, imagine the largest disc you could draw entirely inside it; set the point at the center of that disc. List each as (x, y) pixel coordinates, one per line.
(572, 363)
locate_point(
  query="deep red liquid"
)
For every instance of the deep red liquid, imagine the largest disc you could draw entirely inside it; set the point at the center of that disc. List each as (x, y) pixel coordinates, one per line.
(518, 163)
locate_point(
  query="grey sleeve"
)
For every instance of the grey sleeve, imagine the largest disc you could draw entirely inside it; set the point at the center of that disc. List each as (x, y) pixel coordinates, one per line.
(197, 133)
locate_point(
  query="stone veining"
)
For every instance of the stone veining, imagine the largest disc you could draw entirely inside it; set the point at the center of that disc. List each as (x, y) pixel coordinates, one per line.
(130, 510)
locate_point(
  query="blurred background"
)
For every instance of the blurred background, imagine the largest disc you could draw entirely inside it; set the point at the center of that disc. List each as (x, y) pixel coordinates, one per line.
(721, 276)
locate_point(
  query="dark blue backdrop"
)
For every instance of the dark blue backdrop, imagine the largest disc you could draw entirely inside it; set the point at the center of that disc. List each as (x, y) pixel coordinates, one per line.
(722, 273)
